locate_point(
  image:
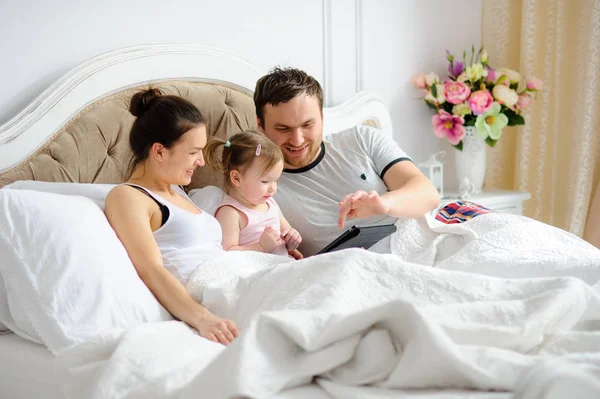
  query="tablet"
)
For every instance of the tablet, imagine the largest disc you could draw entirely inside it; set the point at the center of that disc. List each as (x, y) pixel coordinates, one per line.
(360, 237)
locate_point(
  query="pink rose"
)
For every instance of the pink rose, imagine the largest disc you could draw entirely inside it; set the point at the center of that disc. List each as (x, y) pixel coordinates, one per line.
(491, 76)
(456, 92)
(524, 101)
(480, 101)
(420, 81)
(449, 126)
(534, 84)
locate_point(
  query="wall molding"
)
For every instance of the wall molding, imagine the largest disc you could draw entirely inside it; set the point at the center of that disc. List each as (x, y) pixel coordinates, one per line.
(326, 33)
(358, 45)
(342, 49)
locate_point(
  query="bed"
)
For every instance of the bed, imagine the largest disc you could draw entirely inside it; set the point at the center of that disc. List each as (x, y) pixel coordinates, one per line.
(76, 132)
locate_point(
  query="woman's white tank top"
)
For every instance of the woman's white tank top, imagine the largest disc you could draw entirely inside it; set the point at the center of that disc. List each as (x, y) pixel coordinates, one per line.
(186, 239)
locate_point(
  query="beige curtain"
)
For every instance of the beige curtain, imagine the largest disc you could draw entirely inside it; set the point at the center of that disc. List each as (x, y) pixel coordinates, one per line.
(592, 227)
(555, 156)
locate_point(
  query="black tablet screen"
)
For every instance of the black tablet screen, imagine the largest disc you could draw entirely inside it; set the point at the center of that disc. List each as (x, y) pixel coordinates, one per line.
(360, 237)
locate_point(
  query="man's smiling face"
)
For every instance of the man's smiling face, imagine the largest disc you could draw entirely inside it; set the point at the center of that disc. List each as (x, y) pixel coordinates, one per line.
(296, 127)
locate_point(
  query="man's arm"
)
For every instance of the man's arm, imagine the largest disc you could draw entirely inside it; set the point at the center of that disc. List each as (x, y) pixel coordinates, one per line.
(410, 195)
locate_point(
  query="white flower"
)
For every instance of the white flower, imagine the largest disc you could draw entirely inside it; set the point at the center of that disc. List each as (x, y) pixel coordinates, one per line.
(513, 76)
(484, 57)
(505, 95)
(440, 98)
(461, 109)
(476, 72)
(431, 79)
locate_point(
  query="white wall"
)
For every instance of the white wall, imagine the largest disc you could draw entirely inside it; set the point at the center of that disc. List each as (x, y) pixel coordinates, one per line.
(348, 45)
(40, 40)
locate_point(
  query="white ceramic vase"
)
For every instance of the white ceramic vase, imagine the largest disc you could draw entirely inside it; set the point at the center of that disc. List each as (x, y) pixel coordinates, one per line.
(470, 163)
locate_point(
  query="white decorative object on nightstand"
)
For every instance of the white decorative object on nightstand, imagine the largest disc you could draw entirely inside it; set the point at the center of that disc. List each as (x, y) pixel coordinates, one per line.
(498, 200)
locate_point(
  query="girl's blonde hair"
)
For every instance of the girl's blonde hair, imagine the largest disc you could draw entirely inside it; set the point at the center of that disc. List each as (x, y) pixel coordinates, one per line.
(239, 153)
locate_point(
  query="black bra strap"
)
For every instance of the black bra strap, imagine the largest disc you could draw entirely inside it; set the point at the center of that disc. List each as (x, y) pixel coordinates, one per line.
(164, 210)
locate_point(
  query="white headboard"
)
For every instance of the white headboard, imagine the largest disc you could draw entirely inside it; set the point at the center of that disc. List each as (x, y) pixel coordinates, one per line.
(129, 67)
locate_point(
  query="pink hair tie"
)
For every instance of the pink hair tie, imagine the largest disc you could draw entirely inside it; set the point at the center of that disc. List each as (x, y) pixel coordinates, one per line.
(258, 148)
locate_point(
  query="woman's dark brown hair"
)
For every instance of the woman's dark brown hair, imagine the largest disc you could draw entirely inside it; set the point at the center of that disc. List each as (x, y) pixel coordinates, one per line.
(160, 119)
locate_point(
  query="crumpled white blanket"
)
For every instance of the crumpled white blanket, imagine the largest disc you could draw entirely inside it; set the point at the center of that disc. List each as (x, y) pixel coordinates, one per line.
(496, 244)
(360, 325)
(552, 379)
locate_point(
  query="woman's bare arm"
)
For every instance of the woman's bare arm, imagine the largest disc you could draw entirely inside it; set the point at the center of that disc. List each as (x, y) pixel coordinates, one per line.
(131, 214)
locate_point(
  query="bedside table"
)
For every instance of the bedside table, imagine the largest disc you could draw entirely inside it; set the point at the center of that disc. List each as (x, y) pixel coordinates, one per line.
(498, 200)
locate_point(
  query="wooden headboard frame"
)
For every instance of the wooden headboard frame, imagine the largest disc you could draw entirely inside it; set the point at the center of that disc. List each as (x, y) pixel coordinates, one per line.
(117, 70)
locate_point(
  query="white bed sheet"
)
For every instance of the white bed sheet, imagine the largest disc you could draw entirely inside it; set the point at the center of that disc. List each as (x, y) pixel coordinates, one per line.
(313, 391)
(27, 370)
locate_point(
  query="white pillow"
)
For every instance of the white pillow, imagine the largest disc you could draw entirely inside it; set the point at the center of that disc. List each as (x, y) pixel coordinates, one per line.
(207, 198)
(95, 192)
(67, 276)
(4, 313)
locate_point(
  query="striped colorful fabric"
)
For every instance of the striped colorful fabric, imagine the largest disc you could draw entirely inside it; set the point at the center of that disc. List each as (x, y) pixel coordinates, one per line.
(460, 211)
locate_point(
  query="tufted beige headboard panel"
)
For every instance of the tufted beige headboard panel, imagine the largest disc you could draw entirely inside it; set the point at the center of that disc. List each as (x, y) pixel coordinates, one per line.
(93, 147)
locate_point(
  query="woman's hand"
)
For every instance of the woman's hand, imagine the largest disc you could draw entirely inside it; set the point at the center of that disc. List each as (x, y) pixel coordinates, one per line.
(291, 238)
(270, 239)
(217, 329)
(361, 205)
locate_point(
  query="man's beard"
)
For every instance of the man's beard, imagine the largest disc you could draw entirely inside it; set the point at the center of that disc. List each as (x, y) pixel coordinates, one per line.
(297, 163)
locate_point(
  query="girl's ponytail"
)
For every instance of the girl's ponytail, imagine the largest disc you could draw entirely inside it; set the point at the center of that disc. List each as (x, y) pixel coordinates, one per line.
(213, 157)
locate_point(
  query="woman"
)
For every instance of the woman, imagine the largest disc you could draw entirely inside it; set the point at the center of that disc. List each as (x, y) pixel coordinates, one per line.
(165, 234)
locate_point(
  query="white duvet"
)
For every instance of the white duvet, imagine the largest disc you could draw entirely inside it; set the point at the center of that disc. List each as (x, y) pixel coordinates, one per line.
(357, 324)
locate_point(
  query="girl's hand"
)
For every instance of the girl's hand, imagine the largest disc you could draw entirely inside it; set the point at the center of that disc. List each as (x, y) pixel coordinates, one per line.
(294, 253)
(291, 238)
(217, 329)
(270, 239)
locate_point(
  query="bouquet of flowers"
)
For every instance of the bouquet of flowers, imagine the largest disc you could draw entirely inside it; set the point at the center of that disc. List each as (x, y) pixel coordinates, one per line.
(476, 95)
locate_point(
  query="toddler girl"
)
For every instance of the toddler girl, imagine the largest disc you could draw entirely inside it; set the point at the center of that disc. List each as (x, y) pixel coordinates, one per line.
(249, 216)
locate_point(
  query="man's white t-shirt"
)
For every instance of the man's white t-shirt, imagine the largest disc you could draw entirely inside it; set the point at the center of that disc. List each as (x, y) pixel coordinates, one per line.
(351, 160)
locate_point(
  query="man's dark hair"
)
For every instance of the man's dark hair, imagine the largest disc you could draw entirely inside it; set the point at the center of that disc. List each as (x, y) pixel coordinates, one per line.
(281, 85)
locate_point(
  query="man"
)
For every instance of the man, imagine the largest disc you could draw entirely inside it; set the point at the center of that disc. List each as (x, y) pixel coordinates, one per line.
(355, 174)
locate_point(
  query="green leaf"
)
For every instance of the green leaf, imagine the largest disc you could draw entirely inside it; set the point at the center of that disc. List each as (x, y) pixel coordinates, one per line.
(517, 120)
(501, 80)
(514, 118)
(458, 146)
(432, 106)
(491, 142)
(447, 107)
(472, 54)
(514, 86)
(434, 90)
(469, 121)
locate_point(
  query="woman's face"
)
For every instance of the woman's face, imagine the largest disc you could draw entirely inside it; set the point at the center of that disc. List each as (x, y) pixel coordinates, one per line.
(182, 159)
